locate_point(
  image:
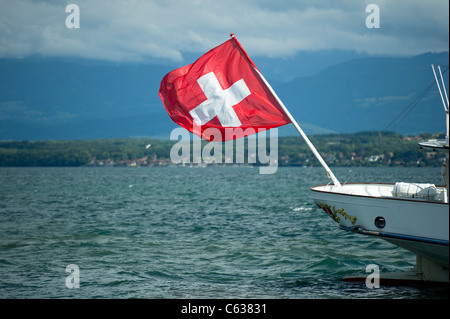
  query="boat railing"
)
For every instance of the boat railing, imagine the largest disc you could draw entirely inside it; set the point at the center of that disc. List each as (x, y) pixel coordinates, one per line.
(401, 190)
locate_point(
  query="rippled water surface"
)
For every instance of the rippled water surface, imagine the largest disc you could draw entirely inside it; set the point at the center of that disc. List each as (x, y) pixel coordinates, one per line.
(188, 233)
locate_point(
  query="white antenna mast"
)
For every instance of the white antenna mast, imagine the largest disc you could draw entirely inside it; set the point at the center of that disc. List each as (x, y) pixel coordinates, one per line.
(443, 85)
(442, 98)
(439, 87)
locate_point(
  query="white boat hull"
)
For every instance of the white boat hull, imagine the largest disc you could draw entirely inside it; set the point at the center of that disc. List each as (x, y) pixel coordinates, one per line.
(420, 226)
(414, 216)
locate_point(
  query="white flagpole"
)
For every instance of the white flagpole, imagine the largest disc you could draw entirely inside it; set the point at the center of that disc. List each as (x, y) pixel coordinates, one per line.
(308, 142)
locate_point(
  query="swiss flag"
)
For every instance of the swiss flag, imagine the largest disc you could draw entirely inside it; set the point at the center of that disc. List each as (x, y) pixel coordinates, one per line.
(221, 90)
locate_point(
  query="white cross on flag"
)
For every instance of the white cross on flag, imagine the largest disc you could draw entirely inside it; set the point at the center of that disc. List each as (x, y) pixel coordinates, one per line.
(222, 89)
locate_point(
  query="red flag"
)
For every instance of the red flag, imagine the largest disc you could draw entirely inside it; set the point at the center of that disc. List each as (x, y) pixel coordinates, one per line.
(221, 90)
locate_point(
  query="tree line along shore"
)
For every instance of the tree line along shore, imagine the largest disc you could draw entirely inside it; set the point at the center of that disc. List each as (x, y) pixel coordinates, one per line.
(356, 149)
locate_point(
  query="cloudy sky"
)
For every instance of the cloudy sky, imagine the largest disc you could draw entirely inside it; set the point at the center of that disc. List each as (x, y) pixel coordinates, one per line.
(136, 30)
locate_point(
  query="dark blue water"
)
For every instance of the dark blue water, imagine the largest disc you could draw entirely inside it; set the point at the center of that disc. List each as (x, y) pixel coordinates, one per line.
(188, 233)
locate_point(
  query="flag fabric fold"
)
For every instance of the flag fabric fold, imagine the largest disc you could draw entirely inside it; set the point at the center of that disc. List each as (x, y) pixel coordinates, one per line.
(222, 91)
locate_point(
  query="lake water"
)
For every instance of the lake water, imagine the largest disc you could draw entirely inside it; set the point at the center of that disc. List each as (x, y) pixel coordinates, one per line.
(179, 232)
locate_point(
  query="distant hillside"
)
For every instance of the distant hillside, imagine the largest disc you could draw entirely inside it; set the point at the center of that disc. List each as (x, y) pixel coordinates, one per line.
(367, 94)
(58, 99)
(50, 98)
(353, 150)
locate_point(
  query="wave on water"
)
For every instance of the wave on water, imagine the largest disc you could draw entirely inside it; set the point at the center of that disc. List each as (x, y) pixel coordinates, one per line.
(184, 233)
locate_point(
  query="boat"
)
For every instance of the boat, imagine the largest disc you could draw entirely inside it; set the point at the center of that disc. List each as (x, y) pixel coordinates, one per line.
(414, 216)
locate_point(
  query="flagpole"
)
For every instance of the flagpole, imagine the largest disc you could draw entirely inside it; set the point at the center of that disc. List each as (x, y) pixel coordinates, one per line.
(305, 137)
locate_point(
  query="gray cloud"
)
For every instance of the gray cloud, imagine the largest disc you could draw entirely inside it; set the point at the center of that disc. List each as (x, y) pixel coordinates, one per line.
(134, 30)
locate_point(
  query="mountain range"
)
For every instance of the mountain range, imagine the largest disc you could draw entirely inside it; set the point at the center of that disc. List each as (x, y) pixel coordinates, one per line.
(44, 98)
